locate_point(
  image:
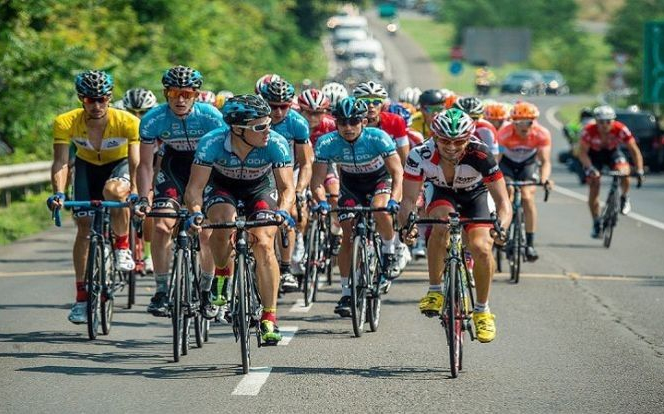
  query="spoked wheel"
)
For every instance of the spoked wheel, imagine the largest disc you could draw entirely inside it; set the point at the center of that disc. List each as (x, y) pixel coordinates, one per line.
(130, 277)
(196, 293)
(452, 309)
(107, 300)
(93, 278)
(373, 312)
(205, 323)
(609, 219)
(177, 313)
(373, 303)
(311, 272)
(515, 250)
(243, 314)
(358, 286)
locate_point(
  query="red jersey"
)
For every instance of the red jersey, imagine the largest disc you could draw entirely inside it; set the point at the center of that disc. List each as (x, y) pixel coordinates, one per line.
(327, 124)
(618, 134)
(395, 126)
(414, 138)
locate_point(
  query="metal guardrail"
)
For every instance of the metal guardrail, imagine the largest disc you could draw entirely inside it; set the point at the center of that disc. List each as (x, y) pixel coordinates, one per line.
(19, 175)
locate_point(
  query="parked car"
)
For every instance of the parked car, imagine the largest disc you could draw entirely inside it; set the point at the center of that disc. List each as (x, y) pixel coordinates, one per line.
(555, 83)
(524, 82)
(644, 126)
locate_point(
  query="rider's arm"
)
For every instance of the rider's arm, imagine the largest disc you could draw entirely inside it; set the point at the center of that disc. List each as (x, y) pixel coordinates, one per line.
(394, 167)
(284, 179)
(411, 191)
(584, 158)
(498, 191)
(60, 167)
(304, 155)
(134, 157)
(145, 171)
(318, 180)
(544, 155)
(193, 194)
(635, 152)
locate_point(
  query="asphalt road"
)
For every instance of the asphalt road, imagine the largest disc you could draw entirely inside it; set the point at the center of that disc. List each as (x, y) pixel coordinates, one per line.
(582, 332)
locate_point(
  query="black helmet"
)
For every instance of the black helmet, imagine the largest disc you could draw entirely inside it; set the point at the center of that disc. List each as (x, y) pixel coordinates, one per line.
(586, 113)
(432, 97)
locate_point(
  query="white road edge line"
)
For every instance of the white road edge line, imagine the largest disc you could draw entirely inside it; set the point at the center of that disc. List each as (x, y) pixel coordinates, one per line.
(551, 117)
(287, 333)
(298, 306)
(252, 382)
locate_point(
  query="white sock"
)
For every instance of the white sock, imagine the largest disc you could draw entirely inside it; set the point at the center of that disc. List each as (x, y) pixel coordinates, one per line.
(345, 289)
(206, 281)
(481, 307)
(435, 288)
(389, 245)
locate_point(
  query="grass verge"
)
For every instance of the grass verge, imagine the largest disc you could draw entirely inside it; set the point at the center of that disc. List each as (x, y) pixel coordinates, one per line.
(23, 218)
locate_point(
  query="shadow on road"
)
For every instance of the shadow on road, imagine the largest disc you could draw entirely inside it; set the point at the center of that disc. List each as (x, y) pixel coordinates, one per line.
(34, 306)
(175, 372)
(381, 372)
(43, 260)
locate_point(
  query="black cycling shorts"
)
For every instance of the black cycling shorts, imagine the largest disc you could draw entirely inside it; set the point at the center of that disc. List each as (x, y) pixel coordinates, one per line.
(469, 204)
(172, 180)
(257, 197)
(520, 171)
(90, 179)
(361, 194)
(613, 159)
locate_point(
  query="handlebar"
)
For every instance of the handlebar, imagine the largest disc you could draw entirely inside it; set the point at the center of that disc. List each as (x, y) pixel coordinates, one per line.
(452, 218)
(531, 183)
(97, 204)
(250, 224)
(362, 209)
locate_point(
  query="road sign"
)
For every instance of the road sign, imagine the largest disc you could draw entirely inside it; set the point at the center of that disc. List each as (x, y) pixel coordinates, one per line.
(456, 67)
(653, 63)
(456, 53)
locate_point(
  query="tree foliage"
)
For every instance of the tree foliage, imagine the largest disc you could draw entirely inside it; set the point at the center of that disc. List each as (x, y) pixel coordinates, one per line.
(44, 43)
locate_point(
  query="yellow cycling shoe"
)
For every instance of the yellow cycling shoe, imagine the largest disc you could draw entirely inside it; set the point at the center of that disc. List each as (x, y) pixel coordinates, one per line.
(485, 326)
(432, 304)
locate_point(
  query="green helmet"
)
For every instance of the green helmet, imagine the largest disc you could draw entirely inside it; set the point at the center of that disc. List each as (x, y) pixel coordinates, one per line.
(453, 124)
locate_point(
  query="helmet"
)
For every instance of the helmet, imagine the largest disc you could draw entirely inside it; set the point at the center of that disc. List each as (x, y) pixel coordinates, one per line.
(222, 96)
(410, 107)
(524, 110)
(278, 91)
(182, 77)
(264, 80)
(446, 93)
(351, 107)
(410, 95)
(495, 111)
(402, 111)
(450, 100)
(472, 106)
(313, 100)
(335, 91)
(241, 109)
(139, 99)
(207, 97)
(431, 97)
(453, 124)
(604, 113)
(369, 88)
(586, 113)
(94, 83)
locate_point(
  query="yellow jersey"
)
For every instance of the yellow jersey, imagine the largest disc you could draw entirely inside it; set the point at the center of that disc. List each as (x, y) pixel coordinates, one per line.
(121, 131)
(420, 126)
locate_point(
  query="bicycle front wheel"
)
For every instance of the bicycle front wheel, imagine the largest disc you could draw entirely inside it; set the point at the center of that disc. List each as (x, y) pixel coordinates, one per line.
(516, 247)
(177, 315)
(93, 278)
(358, 286)
(453, 319)
(609, 220)
(311, 271)
(107, 295)
(241, 312)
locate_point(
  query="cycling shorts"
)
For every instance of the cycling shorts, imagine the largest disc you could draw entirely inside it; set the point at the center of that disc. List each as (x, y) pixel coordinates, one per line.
(361, 195)
(613, 159)
(469, 204)
(520, 171)
(90, 179)
(172, 180)
(256, 199)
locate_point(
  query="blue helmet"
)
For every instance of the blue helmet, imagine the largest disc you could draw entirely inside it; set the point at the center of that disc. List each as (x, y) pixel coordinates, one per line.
(94, 83)
(241, 109)
(182, 77)
(351, 107)
(400, 110)
(278, 91)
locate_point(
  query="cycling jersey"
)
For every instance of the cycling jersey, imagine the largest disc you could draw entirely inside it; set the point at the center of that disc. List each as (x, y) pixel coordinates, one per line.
(294, 127)
(327, 125)
(395, 126)
(521, 150)
(414, 138)
(120, 132)
(476, 167)
(487, 133)
(618, 134)
(360, 161)
(419, 125)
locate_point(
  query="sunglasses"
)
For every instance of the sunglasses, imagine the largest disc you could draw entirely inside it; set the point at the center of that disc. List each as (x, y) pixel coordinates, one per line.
(372, 101)
(256, 128)
(176, 93)
(314, 113)
(91, 100)
(523, 123)
(604, 121)
(349, 121)
(138, 112)
(454, 142)
(433, 108)
(280, 105)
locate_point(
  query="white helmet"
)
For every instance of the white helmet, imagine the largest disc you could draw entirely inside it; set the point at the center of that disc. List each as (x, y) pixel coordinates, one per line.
(410, 95)
(139, 99)
(370, 88)
(604, 113)
(335, 91)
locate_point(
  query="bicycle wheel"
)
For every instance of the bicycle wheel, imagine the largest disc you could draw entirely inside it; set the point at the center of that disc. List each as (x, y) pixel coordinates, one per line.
(93, 277)
(206, 330)
(453, 325)
(609, 219)
(199, 329)
(516, 247)
(498, 253)
(177, 317)
(374, 273)
(137, 253)
(311, 272)
(107, 295)
(187, 307)
(242, 315)
(358, 286)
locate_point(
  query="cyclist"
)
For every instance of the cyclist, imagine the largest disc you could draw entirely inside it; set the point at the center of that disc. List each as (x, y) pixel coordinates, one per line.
(291, 125)
(139, 101)
(462, 171)
(525, 148)
(370, 174)
(179, 125)
(410, 95)
(414, 137)
(600, 146)
(496, 114)
(484, 78)
(484, 130)
(207, 97)
(222, 97)
(431, 102)
(106, 149)
(335, 92)
(233, 164)
(264, 80)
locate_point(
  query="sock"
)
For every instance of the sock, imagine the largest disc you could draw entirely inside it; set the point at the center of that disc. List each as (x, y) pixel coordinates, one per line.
(435, 288)
(389, 245)
(284, 267)
(345, 289)
(81, 292)
(481, 307)
(530, 238)
(122, 242)
(162, 282)
(206, 281)
(226, 271)
(269, 314)
(147, 253)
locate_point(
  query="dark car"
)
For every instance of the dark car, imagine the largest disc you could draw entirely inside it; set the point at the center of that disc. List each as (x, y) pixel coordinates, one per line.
(555, 83)
(524, 82)
(645, 128)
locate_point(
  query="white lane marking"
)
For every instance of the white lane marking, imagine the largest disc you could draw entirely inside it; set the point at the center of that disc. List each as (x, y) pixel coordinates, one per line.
(635, 216)
(252, 382)
(298, 306)
(551, 117)
(287, 333)
(562, 276)
(38, 273)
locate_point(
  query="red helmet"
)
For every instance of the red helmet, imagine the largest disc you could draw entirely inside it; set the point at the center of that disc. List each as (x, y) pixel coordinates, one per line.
(313, 100)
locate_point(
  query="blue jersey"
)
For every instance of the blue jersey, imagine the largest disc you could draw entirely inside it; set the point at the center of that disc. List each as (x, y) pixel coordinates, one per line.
(180, 135)
(362, 159)
(215, 151)
(294, 127)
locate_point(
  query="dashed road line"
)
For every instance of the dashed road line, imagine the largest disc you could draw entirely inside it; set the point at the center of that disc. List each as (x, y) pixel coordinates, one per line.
(298, 306)
(287, 333)
(252, 383)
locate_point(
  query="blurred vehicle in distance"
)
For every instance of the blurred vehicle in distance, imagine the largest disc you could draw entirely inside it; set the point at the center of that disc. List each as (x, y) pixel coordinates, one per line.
(644, 126)
(366, 54)
(524, 82)
(555, 83)
(342, 37)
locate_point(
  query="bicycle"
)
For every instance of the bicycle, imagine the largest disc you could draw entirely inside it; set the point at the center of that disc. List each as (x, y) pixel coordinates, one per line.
(245, 304)
(515, 249)
(184, 290)
(318, 256)
(456, 317)
(609, 216)
(102, 279)
(368, 278)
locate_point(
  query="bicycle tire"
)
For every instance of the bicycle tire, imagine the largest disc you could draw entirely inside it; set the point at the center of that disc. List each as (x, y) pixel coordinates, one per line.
(176, 306)
(516, 247)
(187, 301)
(206, 330)
(609, 219)
(107, 298)
(93, 272)
(499, 259)
(196, 299)
(374, 302)
(311, 270)
(358, 295)
(131, 275)
(242, 315)
(453, 325)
